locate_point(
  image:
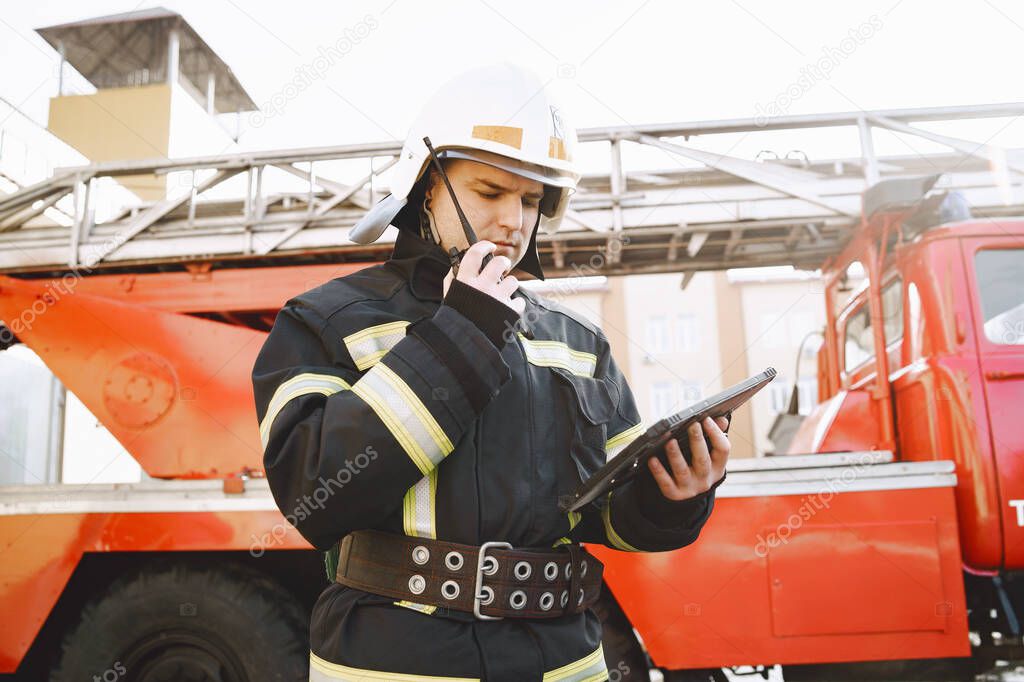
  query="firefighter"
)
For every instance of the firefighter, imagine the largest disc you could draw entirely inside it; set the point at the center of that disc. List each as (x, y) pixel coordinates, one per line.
(421, 425)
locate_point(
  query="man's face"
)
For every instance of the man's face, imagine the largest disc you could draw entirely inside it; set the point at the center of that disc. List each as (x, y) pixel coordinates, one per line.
(502, 207)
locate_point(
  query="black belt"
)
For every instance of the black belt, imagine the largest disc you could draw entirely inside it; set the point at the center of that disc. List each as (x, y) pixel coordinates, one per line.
(492, 580)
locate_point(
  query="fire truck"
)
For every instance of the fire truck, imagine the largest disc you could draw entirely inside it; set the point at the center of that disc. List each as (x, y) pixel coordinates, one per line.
(881, 540)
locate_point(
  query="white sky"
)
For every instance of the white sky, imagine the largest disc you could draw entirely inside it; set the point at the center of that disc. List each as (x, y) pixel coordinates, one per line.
(627, 62)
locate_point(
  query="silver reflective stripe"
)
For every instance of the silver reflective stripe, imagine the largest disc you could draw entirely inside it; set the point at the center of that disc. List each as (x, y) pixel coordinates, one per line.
(325, 671)
(589, 669)
(558, 354)
(302, 384)
(405, 416)
(369, 345)
(418, 510)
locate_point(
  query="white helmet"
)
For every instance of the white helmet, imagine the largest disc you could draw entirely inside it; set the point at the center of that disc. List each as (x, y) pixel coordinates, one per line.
(500, 115)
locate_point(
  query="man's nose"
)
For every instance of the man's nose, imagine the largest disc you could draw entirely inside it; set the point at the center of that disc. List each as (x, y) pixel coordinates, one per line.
(510, 215)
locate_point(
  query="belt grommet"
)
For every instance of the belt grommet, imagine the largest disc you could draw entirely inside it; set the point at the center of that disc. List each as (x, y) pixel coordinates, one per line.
(420, 554)
(449, 589)
(522, 570)
(517, 599)
(490, 565)
(583, 569)
(550, 571)
(547, 600)
(568, 570)
(565, 598)
(417, 584)
(453, 560)
(486, 595)
(580, 600)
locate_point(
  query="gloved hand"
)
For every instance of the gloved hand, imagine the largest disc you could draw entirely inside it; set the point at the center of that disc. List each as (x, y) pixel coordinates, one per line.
(487, 280)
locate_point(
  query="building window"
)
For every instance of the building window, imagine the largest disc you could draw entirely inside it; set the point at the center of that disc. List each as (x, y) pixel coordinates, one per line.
(687, 338)
(781, 389)
(657, 335)
(663, 399)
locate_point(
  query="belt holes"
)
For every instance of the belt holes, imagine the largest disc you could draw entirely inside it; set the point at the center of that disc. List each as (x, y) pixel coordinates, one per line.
(453, 560)
(449, 589)
(417, 584)
(517, 599)
(522, 570)
(550, 571)
(547, 600)
(564, 599)
(486, 595)
(490, 565)
(583, 569)
(568, 570)
(580, 600)
(420, 554)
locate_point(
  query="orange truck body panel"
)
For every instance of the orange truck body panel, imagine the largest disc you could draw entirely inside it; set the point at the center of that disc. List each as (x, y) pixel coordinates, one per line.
(760, 583)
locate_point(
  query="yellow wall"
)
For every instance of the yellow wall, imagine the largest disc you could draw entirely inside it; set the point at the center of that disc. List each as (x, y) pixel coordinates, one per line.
(118, 124)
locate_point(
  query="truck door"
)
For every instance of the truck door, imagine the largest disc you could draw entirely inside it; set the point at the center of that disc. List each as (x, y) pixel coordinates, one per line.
(996, 283)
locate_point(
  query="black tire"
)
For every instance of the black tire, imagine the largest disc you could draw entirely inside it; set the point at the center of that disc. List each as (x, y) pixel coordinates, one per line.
(186, 624)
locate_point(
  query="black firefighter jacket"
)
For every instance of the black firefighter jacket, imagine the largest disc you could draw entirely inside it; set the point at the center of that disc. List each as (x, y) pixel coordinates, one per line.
(382, 406)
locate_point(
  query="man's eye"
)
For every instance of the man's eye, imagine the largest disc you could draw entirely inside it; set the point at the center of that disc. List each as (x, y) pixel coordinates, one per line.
(487, 195)
(531, 203)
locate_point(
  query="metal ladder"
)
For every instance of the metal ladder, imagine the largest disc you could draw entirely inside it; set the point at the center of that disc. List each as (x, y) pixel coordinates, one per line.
(710, 211)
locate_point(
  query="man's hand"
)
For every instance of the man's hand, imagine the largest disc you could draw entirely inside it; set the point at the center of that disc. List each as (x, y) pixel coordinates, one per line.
(689, 480)
(487, 279)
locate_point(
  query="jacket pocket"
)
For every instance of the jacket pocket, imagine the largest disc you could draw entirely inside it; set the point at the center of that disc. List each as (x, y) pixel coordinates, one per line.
(592, 404)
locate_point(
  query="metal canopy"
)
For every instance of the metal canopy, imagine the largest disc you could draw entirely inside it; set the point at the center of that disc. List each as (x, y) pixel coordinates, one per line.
(134, 48)
(726, 212)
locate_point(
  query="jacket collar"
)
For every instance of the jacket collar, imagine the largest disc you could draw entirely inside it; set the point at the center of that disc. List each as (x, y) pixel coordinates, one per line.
(424, 264)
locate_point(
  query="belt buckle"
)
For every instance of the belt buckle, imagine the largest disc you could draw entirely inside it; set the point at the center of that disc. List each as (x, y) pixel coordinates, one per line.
(479, 582)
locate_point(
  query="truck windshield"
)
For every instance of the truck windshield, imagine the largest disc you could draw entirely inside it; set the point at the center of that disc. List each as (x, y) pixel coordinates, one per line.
(1000, 274)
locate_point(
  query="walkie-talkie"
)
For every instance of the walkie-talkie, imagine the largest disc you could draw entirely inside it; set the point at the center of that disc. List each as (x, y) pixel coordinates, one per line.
(454, 255)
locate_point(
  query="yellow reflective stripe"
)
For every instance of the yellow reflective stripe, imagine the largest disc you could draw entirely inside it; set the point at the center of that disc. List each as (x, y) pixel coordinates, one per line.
(558, 354)
(422, 608)
(588, 669)
(368, 346)
(323, 671)
(616, 443)
(574, 518)
(614, 538)
(302, 384)
(418, 509)
(405, 416)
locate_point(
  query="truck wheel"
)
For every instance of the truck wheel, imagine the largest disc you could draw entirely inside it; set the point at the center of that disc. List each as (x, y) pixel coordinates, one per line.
(188, 624)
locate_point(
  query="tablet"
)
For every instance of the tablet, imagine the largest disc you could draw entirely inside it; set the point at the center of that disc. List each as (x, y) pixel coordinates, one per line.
(623, 466)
